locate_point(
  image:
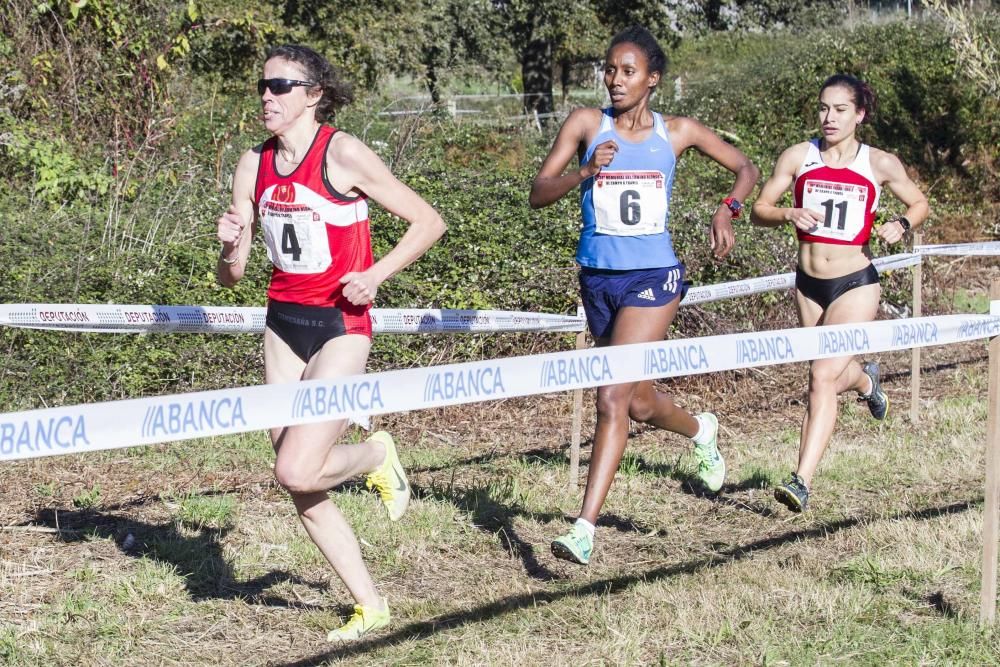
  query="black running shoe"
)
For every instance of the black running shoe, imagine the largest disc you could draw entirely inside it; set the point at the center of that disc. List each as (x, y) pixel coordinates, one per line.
(877, 400)
(793, 494)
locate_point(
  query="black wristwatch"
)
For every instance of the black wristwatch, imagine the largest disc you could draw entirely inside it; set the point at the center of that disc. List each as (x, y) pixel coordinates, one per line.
(904, 223)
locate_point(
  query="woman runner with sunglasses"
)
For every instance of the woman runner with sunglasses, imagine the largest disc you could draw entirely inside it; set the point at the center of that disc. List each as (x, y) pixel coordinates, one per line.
(836, 182)
(630, 280)
(308, 187)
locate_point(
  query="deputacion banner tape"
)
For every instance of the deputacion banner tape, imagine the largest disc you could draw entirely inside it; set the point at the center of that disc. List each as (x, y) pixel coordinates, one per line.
(115, 318)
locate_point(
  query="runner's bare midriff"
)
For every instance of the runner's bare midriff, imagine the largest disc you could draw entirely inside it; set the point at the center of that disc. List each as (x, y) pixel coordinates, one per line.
(828, 260)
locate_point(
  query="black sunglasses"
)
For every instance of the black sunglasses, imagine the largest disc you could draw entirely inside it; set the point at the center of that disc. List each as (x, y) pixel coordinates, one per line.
(280, 86)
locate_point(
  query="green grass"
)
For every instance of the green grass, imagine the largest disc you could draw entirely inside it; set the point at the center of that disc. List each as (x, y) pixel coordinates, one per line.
(88, 497)
(198, 511)
(883, 569)
(967, 301)
(755, 476)
(45, 489)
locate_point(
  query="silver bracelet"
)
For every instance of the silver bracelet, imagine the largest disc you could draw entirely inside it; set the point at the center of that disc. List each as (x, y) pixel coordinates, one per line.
(230, 261)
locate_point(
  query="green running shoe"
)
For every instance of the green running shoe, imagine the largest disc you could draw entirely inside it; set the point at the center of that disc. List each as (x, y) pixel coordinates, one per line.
(390, 479)
(711, 465)
(793, 494)
(877, 400)
(362, 621)
(575, 546)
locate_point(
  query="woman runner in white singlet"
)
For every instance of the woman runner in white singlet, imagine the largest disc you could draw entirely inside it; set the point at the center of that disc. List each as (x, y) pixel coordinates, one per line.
(836, 182)
(631, 282)
(307, 189)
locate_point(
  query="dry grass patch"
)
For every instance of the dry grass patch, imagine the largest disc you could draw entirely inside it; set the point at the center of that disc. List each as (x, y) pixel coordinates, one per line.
(175, 563)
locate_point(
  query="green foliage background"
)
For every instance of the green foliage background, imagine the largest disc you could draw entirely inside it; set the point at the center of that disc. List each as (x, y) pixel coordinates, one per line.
(121, 122)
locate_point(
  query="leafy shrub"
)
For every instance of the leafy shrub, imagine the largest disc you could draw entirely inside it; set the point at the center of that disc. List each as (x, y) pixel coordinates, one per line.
(150, 237)
(927, 114)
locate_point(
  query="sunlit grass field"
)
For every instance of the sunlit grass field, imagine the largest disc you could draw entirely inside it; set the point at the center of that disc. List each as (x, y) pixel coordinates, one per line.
(189, 553)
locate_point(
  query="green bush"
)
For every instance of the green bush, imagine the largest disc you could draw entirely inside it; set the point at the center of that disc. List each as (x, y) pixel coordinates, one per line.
(763, 89)
(149, 236)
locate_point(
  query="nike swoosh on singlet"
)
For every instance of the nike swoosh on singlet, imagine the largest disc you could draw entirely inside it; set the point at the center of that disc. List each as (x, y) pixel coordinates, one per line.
(399, 478)
(809, 164)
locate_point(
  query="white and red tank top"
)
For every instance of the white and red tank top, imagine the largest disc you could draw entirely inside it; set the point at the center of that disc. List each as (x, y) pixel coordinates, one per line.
(314, 234)
(846, 196)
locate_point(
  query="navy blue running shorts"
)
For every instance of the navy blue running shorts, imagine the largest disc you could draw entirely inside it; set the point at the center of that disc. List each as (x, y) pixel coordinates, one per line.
(605, 292)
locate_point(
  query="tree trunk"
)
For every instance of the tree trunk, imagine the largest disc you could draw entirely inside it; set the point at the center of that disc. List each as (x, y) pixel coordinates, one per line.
(536, 72)
(565, 70)
(431, 79)
(713, 15)
(430, 59)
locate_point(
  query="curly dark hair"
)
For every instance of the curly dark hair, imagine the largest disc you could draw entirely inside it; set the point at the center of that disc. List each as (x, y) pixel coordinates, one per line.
(336, 92)
(861, 92)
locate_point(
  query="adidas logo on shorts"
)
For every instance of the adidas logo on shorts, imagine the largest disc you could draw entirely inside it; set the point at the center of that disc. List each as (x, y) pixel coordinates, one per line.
(647, 294)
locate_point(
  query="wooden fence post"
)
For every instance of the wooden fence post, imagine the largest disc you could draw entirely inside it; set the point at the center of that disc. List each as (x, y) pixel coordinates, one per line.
(574, 443)
(918, 277)
(991, 498)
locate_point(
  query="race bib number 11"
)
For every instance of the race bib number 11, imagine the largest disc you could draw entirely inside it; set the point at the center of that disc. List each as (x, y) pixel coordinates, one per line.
(843, 205)
(630, 203)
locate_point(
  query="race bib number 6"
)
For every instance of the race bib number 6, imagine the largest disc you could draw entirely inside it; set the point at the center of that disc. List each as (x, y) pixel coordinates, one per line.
(630, 203)
(843, 205)
(296, 241)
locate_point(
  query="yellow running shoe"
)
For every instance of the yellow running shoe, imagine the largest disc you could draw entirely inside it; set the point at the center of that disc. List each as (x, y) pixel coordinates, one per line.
(390, 479)
(362, 621)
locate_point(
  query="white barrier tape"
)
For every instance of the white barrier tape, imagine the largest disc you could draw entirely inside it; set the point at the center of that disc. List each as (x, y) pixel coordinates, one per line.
(706, 293)
(112, 318)
(211, 319)
(415, 320)
(893, 262)
(144, 421)
(980, 249)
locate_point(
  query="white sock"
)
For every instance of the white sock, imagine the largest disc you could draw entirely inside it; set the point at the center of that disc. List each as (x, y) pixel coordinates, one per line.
(704, 434)
(587, 526)
(871, 387)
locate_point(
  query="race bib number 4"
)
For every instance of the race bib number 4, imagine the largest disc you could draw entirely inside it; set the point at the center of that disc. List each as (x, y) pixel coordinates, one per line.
(843, 205)
(296, 240)
(630, 203)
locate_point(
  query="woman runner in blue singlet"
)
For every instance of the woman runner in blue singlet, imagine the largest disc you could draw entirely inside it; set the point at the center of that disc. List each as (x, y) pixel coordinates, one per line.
(630, 279)
(836, 182)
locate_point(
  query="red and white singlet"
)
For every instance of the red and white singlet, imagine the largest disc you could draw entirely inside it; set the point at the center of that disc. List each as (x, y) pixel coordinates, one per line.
(847, 197)
(314, 234)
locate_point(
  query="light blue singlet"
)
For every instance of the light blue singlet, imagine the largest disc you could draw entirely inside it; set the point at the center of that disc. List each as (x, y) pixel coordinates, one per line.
(626, 207)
